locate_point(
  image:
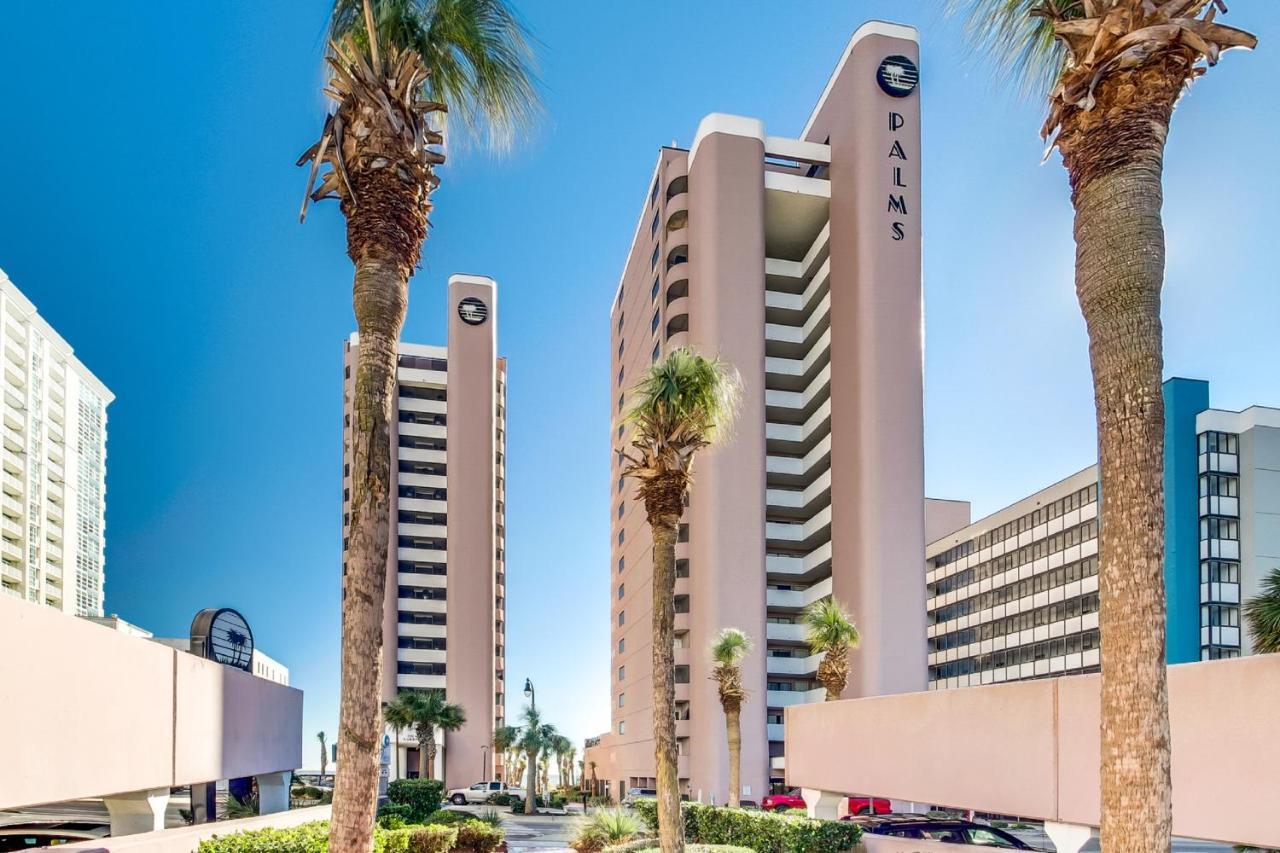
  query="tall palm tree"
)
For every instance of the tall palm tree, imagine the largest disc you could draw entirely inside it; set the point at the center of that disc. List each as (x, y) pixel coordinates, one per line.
(395, 67)
(1113, 71)
(831, 633)
(728, 649)
(324, 754)
(397, 715)
(535, 737)
(1262, 613)
(685, 402)
(429, 710)
(504, 739)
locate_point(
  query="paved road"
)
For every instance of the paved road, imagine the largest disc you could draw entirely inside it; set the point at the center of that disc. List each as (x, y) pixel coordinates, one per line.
(543, 833)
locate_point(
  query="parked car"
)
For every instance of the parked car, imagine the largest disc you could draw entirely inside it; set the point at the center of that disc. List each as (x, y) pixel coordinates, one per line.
(947, 830)
(481, 791)
(634, 794)
(50, 833)
(793, 800)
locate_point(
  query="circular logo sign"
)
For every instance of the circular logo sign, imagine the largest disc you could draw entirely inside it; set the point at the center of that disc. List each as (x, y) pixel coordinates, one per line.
(898, 76)
(222, 634)
(472, 311)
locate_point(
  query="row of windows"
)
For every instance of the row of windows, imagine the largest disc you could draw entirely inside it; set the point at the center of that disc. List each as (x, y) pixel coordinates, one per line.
(414, 567)
(1043, 650)
(1219, 485)
(428, 542)
(419, 362)
(430, 469)
(421, 593)
(412, 617)
(435, 644)
(1219, 442)
(1060, 507)
(1219, 528)
(1216, 571)
(1219, 616)
(1024, 621)
(422, 442)
(408, 516)
(408, 416)
(405, 667)
(1042, 582)
(421, 493)
(416, 392)
(1077, 535)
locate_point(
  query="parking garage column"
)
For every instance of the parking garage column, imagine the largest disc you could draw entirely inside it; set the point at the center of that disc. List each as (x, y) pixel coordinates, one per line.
(825, 805)
(273, 792)
(137, 811)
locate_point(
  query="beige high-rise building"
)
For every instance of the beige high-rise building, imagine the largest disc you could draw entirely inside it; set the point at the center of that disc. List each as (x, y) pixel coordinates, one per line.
(797, 259)
(53, 486)
(445, 609)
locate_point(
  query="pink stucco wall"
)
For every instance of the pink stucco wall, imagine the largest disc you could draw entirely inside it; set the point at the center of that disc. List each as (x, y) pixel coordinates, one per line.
(88, 711)
(1031, 748)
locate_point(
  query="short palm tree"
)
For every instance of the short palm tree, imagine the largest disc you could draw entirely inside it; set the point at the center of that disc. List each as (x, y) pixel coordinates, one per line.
(324, 754)
(397, 715)
(685, 402)
(536, 737)
(395, 67)
(1262, 614)
(727, 651)
(504, 740)
(1113, 71)
(831, 633)
(430, 710)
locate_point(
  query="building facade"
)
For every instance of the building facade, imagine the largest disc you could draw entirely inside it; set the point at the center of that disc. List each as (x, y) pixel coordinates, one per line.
(445, 607)
(53, 484)
(797, 260)
(1015, 595)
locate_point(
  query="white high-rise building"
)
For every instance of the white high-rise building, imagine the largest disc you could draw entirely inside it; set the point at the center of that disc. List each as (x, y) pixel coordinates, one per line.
(53, 454)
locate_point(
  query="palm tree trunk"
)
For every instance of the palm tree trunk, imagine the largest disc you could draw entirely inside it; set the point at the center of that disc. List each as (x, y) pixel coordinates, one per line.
(733, 724)
(1119, 273)
(427, 740)
(670, 820)
(531, 791)
(395, 747)
(380, 296)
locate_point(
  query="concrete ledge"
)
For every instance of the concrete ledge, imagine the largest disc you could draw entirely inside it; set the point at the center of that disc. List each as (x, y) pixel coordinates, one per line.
(186, 839)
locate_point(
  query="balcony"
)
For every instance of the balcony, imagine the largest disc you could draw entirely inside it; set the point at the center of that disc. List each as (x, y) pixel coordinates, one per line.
(10, 572)
(11, 549)
(12, 485)
(55, 432)
(53, 551)
(680, 253)
(14, 416)
(785, 632)
(776, 731)
(792, 665)
(798, 599)
(56, 471)
(13, 440)
(13, 507)
(677, 316)
(11, 528)
(787, 698)
(56, 493)
(799, 567)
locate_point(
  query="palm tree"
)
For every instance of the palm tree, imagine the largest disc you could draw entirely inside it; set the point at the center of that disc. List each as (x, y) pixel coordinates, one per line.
(728, 650)
(1113, 71)
(684, 403)
(397, 715)
(535, 737)
(429, 710)
(324, 755)
(831, 633)
(504, 738)
(1262, 613)
(395, 67)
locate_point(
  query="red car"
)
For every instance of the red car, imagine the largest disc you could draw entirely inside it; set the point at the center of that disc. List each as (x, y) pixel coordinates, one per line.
(793, 800)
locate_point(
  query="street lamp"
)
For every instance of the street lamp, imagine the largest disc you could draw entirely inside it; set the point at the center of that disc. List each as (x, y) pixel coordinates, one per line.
(484, 762)
(528, 694)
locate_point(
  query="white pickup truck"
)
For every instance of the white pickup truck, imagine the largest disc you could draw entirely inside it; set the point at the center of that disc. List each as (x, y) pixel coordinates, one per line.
(481, 791)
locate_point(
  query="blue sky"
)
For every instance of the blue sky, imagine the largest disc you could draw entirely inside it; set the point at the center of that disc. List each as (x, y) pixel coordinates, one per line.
(150, 212)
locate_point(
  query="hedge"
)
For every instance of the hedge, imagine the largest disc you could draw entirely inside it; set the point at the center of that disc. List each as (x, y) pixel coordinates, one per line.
(470, 837)
(423, 796)
(763, 832)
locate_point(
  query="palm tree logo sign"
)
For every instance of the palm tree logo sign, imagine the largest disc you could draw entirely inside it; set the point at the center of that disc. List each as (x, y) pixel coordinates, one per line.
(472, 311)
(898, 76)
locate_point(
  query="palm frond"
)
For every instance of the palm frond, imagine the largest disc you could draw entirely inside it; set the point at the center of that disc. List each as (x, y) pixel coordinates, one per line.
(1262, 614)
(1016, 37)
(730, 646)
(479, 55)
(828, 627)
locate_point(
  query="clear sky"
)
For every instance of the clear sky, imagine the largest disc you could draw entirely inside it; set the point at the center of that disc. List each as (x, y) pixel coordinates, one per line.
(150, 211)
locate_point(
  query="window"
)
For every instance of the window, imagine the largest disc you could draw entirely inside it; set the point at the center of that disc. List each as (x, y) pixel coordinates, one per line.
(621, 508)
(622, 673)
(657, 318)
(622, 728)
(1219, 442)
(622, 316)
(621, 372)
(653, 291)
(653, 261)
(622, 700)
(622, 617)
(653, 193)
(657, 352)
(622, 483)
(622, 536)
(621, 429)
(622, 645)
(622, 591)
(1219, 485)
(653, 226)
(622, 400)
(621, 564)
(1219, 528)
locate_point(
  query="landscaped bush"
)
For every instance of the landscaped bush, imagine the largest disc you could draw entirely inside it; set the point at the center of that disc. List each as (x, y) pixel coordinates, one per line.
(423, 796)
(307, 792)
(476, 836)
(431, 839)
(604, 828)
(394, 815)
(306, 838)
(446, 817)
(761, 831)
(501, 800)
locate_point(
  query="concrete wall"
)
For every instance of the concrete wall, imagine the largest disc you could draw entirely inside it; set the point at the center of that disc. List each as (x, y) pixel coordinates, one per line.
(89, 711)
(1032, 748)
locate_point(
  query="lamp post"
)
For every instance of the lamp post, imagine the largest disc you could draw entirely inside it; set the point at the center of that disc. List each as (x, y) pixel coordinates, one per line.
(528, 694)
(484, 762)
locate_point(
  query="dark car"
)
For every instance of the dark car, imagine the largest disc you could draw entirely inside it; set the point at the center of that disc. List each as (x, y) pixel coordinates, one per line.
(946, 830)
(49, 833)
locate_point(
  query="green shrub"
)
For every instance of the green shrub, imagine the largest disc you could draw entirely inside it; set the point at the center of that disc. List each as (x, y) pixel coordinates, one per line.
(501, 800)
(394, 815)
(392, 841)
(445, 817)
(476, 836)
(490, 816)
(432, 839)
(760, 831)
(605, 827)
(423, 796)
(307, 792)
(305, 838)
